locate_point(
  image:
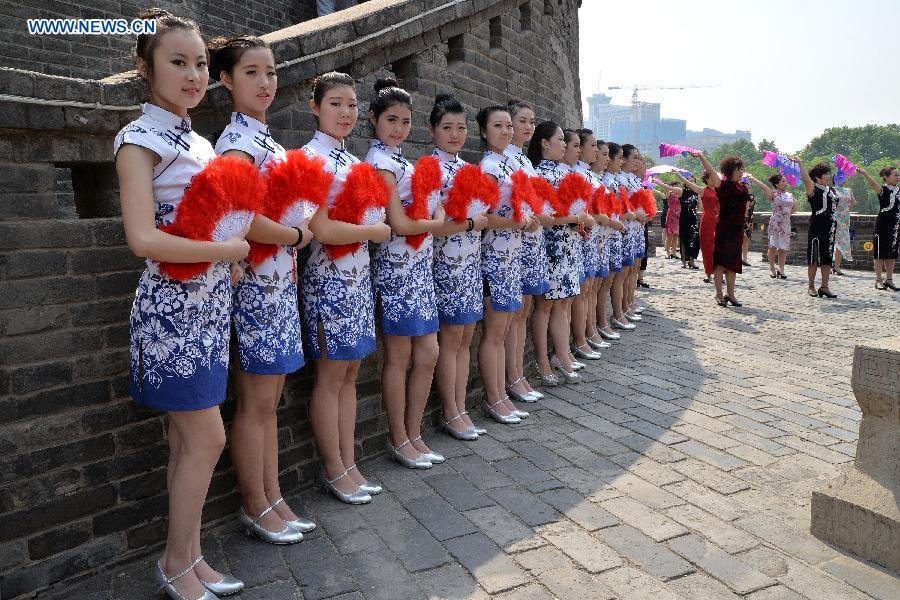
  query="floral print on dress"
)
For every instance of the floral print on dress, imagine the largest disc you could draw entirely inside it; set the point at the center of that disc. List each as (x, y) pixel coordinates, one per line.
(501, 248)
(179, 329)
(337, 294)
(533, 257)
(563, 244)
(590, 245)
(402, 274)
(780, 221)
(264, 303)
(842, 224)
(457, 277)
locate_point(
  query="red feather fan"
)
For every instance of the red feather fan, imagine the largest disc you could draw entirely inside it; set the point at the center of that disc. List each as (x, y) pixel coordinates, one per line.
(572, 189)
(605, 201)
(220, 203)
(522, 194)
(624, 199)
(426, 185)
(363, 191)
(297, 187)
(597, 200)
(472, 193)
(644, 199)
(546, 193)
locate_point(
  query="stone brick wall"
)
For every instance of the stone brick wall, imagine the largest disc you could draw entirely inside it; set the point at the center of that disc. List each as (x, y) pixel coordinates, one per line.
(82, 469)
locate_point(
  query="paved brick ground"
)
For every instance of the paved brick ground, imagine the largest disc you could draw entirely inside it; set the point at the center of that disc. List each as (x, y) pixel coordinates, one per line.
(682, 469)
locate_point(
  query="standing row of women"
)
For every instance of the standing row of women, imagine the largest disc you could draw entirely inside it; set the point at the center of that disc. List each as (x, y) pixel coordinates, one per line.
(532, 233)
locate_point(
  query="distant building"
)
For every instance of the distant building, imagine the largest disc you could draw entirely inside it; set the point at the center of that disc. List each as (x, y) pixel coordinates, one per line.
(613, 122)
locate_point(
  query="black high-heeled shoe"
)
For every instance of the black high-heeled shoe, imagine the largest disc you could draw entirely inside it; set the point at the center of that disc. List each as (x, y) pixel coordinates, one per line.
(781, 275)
(722, 302)
(732, 300)
(707, 280)
(642, 283)
(773, 275)
(825, 293)
(889, 284)
(811, 292)
(880, 286)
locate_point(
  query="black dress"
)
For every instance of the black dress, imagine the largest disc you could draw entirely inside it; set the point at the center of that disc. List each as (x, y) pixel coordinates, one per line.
(822, 226)
(733, 198)
(689, 226)
(748, 227)
(887, 223)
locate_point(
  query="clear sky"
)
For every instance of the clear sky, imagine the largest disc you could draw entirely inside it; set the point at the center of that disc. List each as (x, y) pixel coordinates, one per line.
(785, 69)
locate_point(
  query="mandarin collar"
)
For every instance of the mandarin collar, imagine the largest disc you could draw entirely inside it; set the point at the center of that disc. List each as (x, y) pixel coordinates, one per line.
(327, 141)
(169, 119)
(444, 156)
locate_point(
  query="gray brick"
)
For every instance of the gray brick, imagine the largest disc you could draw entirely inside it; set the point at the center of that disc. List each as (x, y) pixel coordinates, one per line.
(486, 562)
(577, 508)
(727, 569)
(525, 505)
(590, 553)
(655, 559)
(439, 518)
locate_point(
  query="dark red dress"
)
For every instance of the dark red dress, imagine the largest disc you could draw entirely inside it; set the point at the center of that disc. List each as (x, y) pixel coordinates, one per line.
(708, 222)
(733, 198)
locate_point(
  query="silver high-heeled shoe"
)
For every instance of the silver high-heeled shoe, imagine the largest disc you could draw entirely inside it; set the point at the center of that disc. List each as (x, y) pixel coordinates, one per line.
(577, 365)
(357, 497)
(601, 345)
(226, 586)
(639, 309)
(467, 435)
(300, 524)
(620, 325)
(368, 487)
(536, 395)
(519, 396)
(568, 376)
(286, 536)
(475, 428)
(587, 354)
(165, 583)
(509, 419)
(634, 318)
(610, 336)
(420, 462)
(433, 456)
(546, 380)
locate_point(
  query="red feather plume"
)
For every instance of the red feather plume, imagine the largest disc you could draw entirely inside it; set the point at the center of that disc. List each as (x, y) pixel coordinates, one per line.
(647, 201)
(470, 185)
(522, 194)
(426, 182)
(296, 186)
(545, 192)
(226, 186)
(624, 199)
(603, 201)
(573, 188)
(597, 200)
(363, 189)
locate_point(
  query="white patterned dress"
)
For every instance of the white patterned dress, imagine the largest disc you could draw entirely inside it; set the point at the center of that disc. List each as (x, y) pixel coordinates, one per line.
(264, 302)
(533, 257)
(402, 274)
(780, 221)
(613, 249)
(337, 294)
(458, 284)
(590, 245)
(633, 234)
(179, 330)
(501, 248)
(563, 244)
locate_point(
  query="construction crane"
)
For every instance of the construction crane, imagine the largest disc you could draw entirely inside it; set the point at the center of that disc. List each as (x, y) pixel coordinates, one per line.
(634, 98)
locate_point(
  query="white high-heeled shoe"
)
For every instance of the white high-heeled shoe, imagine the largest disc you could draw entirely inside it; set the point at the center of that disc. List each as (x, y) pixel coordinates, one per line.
(165, 582)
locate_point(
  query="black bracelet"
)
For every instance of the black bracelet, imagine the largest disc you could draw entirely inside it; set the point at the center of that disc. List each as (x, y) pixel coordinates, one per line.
(471, 223)
(299, 237)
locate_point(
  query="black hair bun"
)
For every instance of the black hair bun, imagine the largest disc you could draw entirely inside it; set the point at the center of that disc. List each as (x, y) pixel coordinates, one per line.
(385, 82)
(444, 97)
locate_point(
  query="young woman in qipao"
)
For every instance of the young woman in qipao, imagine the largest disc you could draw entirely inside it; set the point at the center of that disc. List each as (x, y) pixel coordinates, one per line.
(338, 304)
(783, 206)
(457, 273)
(179, 330)
(633, 236)
(500, 253)
(596, 269)
(610, 258)
(552, 312)
(264, 304)
(533, 260)
(404, 283)
(617, 247)
(820, 239)
(586, 252)
(887, 224)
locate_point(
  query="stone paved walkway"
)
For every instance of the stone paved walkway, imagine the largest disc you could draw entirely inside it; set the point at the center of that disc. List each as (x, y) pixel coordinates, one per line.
(683, 469)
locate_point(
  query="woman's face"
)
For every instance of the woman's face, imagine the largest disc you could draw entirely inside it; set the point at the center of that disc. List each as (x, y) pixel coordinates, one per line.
(338, 111)
(573, 150)
(498, 131)
(602, 160)
(589, 150)
(615, 163)
(451, 132)
(630, 163)
(253, 82)
(781, 185)
(393, 125)
(554, 147)
(523, 126)
(893, 178)
(180, 71)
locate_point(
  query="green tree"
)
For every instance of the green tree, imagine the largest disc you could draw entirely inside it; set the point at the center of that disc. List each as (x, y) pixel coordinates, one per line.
(868, 143)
